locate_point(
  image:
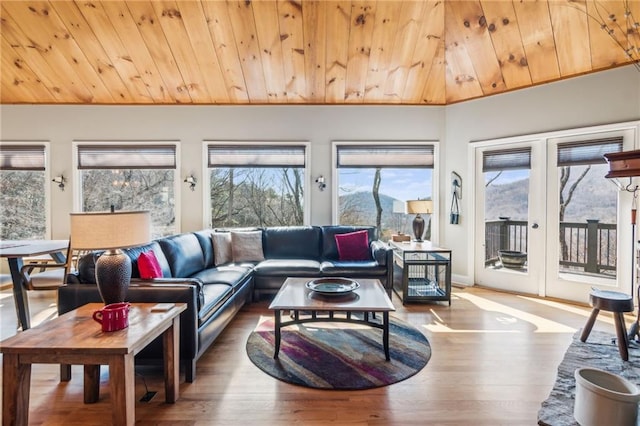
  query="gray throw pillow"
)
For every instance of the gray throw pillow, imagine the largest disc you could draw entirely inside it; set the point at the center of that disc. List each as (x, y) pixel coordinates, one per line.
(247, 246)
(221, 248)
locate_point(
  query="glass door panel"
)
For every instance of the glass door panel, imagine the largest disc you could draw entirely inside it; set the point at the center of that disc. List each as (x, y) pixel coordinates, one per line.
(589, 243)
(506, 215)
(508, 239)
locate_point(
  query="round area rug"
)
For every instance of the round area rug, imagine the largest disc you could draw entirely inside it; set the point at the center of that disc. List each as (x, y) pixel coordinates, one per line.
(339, 355)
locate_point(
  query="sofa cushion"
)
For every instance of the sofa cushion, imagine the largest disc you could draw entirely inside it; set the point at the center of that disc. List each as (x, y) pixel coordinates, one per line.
(184, 254)
(134, 253)
(288, 267)
(214, 297)
(329, 247)
(204, 238)
(228, 274)
(247, 246)
(222, 253)
(352, 268)
(353, 246)
(292, 242)
(148, 265)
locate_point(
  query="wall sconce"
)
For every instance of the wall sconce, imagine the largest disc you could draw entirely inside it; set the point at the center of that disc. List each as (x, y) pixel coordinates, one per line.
(191, 180)
(60, 180)
(321, 183)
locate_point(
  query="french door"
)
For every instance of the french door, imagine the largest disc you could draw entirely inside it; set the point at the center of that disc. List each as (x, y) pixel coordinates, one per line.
(548, 222)
(510, 217)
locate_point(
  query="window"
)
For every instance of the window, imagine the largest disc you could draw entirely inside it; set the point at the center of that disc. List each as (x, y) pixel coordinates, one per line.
(22, 192)
(375, 181)
(588, 208)
(506, 207)
(256, 185)
(130, 177)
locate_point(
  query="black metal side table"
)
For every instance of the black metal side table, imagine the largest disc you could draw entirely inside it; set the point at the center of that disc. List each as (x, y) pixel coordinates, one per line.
(424, 272)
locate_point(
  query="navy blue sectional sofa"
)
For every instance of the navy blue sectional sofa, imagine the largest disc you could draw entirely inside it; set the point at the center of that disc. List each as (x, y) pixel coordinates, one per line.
(215, 293)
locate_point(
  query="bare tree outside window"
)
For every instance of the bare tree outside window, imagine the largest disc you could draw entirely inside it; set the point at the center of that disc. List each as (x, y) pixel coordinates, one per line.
(565, 200)
(133, 189)
(588, 220)
(259, 196)
(376, 198)
(22, 205)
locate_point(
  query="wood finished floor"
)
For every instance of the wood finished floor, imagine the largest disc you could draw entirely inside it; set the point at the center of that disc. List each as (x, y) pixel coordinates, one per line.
(494, 361)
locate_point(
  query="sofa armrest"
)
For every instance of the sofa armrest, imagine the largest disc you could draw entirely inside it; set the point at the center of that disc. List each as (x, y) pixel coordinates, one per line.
(72, 278)
(159, 282)
(381, 252)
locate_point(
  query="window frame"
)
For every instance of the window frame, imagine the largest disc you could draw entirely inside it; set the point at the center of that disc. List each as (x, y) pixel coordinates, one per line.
(437, 208)
(76, 172)
(206, 186)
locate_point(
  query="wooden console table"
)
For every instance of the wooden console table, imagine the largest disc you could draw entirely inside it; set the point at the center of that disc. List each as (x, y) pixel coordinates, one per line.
(75, 338)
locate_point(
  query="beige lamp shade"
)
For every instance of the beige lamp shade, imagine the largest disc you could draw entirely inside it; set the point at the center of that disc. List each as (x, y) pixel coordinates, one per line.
(107, 231)
(419, 206)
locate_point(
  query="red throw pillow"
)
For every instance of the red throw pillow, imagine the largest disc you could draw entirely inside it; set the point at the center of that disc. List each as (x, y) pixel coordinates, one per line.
(353, 245)
(148, 266)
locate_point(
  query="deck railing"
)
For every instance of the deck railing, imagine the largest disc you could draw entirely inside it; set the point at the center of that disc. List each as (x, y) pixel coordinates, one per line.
(588, 247)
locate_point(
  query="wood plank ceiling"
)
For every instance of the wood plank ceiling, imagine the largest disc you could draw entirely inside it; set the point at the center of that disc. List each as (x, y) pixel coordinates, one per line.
(301, 52)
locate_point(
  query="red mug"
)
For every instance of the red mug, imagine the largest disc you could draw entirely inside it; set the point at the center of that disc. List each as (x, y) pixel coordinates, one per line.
(113, 317)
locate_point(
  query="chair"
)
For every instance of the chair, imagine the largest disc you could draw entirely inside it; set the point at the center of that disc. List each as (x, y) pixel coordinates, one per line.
(45, 275)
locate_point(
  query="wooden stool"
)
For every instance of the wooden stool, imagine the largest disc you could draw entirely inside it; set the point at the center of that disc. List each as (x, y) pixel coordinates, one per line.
(611, 301)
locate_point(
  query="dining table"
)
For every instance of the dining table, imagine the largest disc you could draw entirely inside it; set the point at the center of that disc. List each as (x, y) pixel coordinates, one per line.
(15, 251)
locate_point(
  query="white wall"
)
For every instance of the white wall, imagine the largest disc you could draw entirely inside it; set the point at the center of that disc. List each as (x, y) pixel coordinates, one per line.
(606, 97)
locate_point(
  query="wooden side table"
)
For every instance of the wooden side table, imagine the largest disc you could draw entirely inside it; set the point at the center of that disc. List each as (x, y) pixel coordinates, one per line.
(75, 338)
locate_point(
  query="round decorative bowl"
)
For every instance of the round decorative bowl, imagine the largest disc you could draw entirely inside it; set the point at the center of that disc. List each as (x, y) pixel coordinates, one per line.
(512, 259)
(332, 286)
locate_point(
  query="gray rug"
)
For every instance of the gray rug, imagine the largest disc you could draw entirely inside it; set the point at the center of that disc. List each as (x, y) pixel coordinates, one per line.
(597, 352)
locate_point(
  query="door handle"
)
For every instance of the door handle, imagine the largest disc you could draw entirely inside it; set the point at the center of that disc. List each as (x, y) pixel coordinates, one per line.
(534, 226)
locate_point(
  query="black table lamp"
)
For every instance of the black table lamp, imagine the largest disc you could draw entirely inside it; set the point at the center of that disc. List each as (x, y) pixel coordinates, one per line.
(419, 207)
(111, 232)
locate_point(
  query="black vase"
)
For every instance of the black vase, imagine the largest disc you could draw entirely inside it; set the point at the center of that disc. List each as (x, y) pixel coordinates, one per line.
(113, 275)
(418, 227)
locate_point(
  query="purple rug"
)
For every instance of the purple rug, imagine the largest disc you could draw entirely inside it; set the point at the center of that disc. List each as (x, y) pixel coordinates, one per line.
(339, 355)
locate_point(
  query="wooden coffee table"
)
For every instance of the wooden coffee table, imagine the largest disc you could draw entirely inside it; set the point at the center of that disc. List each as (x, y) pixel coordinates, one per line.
(75, 338)
(295, 297)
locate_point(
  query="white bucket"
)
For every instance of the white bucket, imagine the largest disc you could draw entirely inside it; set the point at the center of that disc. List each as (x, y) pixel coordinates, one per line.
(604, 398)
